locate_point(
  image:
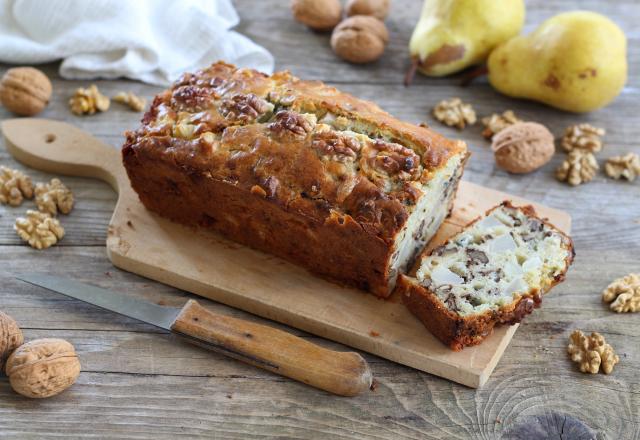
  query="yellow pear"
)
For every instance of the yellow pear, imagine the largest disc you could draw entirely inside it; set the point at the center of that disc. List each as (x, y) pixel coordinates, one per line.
(575, 61)
(454, 34)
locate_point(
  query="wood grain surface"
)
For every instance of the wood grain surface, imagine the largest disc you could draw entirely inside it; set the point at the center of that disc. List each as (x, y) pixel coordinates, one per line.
(137, 383)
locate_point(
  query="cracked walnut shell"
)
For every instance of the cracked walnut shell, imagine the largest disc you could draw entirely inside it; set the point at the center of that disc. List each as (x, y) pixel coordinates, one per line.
(497, 122)
(582, 137)
(135, 102)
(38, 229)
(360, 39)
(10, 337)
(53, 197)
(592, 353)
(321, 15)
(15, 186)
(523, 147)
(579, 167)
(25, 91)
(88, 101)
(627, 166)
(454, 113)
(624, 294)
(43, 368)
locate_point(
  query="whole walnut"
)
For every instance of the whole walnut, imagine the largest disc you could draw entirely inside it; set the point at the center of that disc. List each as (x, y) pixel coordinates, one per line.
(43, 368)
(375, 8)
(523, 147)
(10, 337)
(25, 91)
(321, 15)
(359, 39)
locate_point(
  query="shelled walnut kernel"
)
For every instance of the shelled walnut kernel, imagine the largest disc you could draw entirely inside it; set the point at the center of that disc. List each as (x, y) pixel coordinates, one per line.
(53, 197)
(624, 294)
(627, 166)
(582, 137)
(579, 167)
(38, 229)
(592, 353)
(454, 113)
(43, 368)
(135, 102)
(15, 186)
(88, 101)
(497, 122)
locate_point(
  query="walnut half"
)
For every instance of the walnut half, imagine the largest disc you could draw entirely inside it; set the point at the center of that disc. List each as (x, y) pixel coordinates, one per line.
(592, 353)
(579, 167)
(624, 294)
(40, 230)
(291, 124)
(454, 113)
(88, 101)
(15, 186)
(53, 197)
(497, 122)
(627, 167)
(584, 137)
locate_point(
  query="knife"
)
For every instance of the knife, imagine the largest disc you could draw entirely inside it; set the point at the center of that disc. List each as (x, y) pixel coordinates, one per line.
(341, 373)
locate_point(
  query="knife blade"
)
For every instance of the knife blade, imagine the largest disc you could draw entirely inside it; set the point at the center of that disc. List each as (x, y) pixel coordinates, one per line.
(341, 373)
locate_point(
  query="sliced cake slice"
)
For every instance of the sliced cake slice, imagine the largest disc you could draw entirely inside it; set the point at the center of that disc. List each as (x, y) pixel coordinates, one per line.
(493, 272)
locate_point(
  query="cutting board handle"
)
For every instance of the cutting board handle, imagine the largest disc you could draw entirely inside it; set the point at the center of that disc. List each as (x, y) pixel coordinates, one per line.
(61, 148)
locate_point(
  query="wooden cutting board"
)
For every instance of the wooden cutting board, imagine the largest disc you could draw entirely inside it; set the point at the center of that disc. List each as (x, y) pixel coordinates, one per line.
(209, 265)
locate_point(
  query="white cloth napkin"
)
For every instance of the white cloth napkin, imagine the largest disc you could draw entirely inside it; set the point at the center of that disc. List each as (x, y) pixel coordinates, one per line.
(148, 40)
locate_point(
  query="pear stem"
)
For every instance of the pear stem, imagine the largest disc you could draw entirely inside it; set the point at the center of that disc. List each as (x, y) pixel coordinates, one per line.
(411, 72)
(468, 77)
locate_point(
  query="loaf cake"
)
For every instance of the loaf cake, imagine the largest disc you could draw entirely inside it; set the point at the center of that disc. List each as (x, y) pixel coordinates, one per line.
(297, 169)
(493, 272)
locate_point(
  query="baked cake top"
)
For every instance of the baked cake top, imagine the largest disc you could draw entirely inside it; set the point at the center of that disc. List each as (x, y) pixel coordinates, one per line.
(301, 144)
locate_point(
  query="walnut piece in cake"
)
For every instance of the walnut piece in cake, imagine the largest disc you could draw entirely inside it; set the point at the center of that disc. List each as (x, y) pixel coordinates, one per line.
(38, 229)
(624, 294)
(579, 167)
(53, 197)
(627, 167)
(591, 353)
(455, 113)
(15, 186)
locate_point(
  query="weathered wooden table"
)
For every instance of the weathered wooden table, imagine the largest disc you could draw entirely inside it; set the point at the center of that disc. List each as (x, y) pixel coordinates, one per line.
(137, 383)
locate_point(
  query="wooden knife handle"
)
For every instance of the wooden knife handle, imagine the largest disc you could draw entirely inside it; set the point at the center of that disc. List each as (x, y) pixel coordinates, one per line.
(341, 373)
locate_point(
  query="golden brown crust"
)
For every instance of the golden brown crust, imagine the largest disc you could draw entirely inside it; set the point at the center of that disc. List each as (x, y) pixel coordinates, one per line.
(460, 331)
(301, 169)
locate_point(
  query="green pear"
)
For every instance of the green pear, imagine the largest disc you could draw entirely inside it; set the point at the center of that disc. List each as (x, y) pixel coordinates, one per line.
(454, 34)
(575, 61)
